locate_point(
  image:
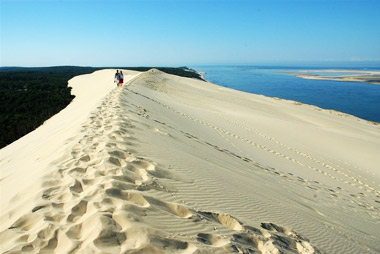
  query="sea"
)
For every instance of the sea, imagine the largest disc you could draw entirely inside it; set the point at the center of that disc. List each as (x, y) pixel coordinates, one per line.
(355, 98)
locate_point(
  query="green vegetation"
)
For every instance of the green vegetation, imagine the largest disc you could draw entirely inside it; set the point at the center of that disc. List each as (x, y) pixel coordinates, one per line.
(30, 96)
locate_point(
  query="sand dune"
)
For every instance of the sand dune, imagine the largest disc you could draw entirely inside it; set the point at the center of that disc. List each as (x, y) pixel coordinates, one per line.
(173, 165)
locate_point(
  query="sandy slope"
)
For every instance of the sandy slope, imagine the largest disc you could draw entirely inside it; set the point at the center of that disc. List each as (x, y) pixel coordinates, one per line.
(175, 165)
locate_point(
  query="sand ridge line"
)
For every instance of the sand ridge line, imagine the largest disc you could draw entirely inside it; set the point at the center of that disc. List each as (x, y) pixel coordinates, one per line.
(325, 166)
(141, 178)
(100, 198)
(322, 194)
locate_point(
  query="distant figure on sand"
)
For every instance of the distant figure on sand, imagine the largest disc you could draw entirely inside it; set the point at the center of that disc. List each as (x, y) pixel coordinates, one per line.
(121, 78)
(117, 77)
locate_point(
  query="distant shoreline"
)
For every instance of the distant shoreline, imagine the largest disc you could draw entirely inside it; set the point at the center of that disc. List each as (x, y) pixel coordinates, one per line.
(370, 77)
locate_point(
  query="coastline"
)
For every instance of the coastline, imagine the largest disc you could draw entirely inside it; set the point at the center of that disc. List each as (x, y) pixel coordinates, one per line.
(238, 172)
(370, 77)
(358, 99)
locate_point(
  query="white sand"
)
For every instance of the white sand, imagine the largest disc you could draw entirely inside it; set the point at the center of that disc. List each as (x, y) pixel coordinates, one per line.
(175, 165)
(371, 77)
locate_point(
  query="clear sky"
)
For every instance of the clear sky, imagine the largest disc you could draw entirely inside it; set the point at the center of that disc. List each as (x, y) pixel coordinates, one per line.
(187, 32)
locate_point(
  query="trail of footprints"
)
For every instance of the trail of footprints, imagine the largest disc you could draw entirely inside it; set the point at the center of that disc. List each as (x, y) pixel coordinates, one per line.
(323, 168)
(356, 182)
(98, 199)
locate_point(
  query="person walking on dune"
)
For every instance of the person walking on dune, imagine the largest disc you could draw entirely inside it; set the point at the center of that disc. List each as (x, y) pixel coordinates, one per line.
(121, 78)
(117, 77)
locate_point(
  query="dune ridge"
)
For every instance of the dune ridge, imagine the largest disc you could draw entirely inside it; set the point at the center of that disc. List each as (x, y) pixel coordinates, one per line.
(174, 165)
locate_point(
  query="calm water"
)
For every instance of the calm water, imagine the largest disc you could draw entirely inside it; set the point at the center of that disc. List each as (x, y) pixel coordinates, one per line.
(359, 99)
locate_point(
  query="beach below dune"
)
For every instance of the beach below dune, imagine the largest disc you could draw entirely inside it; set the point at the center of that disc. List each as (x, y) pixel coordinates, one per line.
(174, 165)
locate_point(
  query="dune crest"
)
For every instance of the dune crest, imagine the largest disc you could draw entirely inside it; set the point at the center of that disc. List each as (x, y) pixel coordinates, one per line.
(174, 165)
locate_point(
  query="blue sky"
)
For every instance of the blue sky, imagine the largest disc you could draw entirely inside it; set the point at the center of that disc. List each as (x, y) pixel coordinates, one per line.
(188, 32)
